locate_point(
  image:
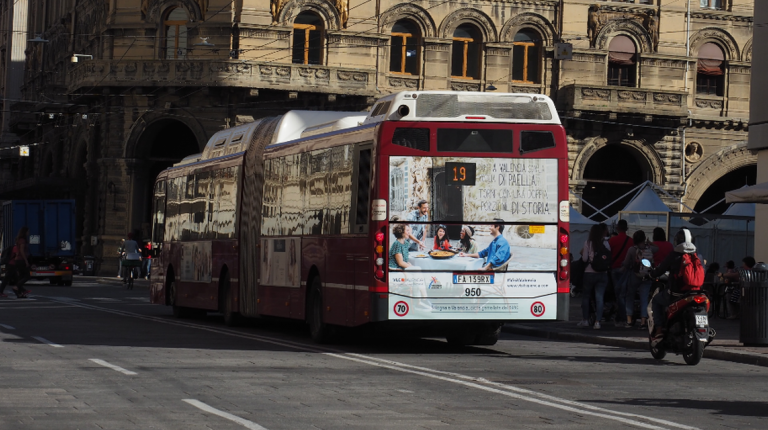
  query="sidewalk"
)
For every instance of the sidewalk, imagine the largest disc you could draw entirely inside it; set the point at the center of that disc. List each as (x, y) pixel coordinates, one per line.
(725, 346)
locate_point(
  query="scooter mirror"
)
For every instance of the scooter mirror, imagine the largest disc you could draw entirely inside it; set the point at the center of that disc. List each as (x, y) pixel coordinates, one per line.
(646, 262)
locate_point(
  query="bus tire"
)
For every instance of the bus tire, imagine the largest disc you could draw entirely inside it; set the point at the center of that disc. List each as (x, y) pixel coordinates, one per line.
(488, 336)
(461, 338)
(178, 311)
(318, 329)
(231, 318)
(67, 283)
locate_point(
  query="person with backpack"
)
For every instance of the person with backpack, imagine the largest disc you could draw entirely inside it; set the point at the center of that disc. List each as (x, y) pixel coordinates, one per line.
(619, 247)
(596, 253)
(639, 279)
(686, 273)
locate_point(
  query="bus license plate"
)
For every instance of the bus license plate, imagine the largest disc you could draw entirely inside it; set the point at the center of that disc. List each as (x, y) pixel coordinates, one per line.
(702, 320)
(473, 279)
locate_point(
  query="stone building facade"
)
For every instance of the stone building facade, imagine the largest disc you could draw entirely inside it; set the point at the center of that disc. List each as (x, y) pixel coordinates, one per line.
(654, 90)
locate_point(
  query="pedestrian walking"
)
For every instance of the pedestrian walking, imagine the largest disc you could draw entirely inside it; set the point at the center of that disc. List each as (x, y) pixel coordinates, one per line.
(20, 262)
(619, 246)
(732, 275)
(638, 282)
(121, 254)
(596, 252)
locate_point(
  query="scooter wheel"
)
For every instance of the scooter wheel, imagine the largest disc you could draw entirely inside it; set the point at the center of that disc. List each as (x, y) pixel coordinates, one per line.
(656, 351)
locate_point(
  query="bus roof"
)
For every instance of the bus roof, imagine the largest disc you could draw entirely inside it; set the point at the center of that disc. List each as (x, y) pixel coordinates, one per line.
(433, 106)
(464, 106)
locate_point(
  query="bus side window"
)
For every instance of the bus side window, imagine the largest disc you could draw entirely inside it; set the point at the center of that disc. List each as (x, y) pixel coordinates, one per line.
(363, 198)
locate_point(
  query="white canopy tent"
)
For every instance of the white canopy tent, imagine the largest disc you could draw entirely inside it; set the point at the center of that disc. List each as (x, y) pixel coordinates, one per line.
(580, 226)
(754, 194)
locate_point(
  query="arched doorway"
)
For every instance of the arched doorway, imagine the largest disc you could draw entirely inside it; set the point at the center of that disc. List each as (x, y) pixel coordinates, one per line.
(738, 178)
(162, 144)
(611, 172)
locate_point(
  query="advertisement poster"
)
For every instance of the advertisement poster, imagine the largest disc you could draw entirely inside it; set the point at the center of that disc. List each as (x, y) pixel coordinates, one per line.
(280, 262)
(196, 262)
(422, 296)
(475, 189)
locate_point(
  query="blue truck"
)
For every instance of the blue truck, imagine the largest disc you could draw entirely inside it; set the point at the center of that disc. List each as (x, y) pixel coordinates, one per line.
(51, 237)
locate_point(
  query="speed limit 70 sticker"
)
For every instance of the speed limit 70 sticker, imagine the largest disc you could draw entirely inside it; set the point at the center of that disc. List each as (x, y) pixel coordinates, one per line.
(401, 309)
(537, 309)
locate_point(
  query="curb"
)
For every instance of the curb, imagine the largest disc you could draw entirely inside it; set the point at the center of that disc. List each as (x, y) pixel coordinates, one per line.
(713, 352)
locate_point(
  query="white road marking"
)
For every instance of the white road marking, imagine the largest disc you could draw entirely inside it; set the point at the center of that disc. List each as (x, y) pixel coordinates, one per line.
(243, 422)
(112, 366)
(525, 395)
(46, 341)
(7, 327)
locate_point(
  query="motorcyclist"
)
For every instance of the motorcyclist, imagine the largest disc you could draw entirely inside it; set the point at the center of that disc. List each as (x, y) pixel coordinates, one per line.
(683, 245)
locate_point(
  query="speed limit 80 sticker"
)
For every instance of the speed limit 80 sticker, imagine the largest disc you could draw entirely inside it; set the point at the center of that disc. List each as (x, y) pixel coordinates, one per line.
(537, 309)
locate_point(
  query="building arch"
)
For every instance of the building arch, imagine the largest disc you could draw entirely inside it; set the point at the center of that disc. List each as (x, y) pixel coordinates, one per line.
(718, 36)
(716, 166)
(412, 12)
(157, 10)
(638, 148)
(469, 16)
(528, 20)
(747, 54)
(136, 144)
(629, 28)
(326, 10)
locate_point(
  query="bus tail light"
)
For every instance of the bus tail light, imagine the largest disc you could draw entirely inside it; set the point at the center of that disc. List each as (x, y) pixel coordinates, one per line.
(565, 260)
(378, 249)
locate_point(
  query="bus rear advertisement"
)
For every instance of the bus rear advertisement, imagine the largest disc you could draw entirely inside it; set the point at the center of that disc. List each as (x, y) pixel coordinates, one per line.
(436, 208)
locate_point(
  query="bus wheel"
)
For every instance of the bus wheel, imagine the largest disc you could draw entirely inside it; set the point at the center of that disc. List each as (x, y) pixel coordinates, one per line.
(461, 338)
(178, 311)
(489, 335)
(231, 318)
(318, 329)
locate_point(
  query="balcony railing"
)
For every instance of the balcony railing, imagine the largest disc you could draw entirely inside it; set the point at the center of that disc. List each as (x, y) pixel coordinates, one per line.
(625, 100)
(196, 73)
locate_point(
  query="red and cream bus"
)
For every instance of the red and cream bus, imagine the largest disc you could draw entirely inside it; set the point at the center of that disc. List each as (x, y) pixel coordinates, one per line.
(295, 216)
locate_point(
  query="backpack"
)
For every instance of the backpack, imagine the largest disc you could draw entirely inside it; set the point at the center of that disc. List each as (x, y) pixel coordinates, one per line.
(640, 270)
(691, 274)
(601, 262)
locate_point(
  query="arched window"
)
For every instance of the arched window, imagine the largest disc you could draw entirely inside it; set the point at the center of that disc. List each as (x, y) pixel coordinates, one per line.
(465, 58)
(526, 56)
(176, 34)
(308, 39)
(709, 73)
(622, 62)
(404, 49)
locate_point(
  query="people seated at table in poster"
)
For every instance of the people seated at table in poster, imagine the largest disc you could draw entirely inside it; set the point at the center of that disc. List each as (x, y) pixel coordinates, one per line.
(442, 241)
(467, 244)
(497, 253)
(398, 252)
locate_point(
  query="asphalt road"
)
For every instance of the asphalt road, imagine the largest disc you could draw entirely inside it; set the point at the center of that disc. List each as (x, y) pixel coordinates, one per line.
(95, 356)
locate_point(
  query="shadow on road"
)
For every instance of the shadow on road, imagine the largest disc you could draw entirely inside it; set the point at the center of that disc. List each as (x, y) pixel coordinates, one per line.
(718, 407)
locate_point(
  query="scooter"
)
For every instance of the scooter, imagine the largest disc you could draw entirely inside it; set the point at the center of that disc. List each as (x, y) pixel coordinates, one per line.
(687, 329)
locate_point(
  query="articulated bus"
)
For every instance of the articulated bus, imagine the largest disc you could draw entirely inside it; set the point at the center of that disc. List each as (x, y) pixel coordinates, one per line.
(295, 217)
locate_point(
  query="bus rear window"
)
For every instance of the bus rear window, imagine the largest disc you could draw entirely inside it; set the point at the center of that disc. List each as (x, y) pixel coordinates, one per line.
(536, 141)
(468, 140)
(414, 138)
